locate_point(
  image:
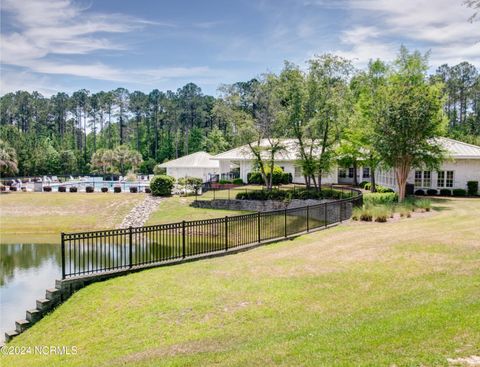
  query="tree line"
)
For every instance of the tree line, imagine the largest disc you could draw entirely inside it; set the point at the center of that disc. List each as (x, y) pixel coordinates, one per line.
(330, 104)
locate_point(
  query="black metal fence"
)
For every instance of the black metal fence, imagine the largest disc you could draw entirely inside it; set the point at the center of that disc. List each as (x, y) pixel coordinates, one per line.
(101, 251)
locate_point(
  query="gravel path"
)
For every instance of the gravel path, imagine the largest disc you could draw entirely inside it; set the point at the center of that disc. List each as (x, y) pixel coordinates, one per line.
(139, 215)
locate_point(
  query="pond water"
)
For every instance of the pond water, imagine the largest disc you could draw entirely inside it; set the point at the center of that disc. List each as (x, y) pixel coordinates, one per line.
(26, 271)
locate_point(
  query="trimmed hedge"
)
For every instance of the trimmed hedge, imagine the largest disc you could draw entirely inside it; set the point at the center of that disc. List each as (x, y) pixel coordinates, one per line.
(419, 192)
(162, 185)
(73, 189)
(380, 198)
(89, 189)
(133, 189)
(117, 189)
(363, 184)
(285, 195)
(62, 189)
(445, 192)
(432, 192)
(225, 182)
(380, 189)
(237, 181)
(104, 189)
(472, 188)
(459, 192)
(279, 177)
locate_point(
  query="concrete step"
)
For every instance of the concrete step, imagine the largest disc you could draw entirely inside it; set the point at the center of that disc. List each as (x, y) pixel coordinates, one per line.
(9, 335)
(44, 305)
(33, 315)
(22, 325)
(53, 294)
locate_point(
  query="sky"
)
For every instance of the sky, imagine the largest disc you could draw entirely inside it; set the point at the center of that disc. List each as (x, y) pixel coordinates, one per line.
(66, 45)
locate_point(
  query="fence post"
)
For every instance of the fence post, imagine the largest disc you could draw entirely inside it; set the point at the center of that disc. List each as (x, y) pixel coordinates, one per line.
(285, 220)
(341, 206)
(258, 228)
(130, 245)
(213, 194)
(226, 233)
(183, 238)
(228, 193)
(308, 218)
(326, 215)
(63, 256)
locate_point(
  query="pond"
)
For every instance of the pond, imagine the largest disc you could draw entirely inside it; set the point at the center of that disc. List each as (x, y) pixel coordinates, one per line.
(26, 271)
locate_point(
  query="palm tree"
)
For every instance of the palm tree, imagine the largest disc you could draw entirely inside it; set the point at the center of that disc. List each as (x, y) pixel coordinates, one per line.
(8, 159)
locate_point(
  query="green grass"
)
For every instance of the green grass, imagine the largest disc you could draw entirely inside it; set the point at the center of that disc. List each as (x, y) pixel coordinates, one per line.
(405, 293)
(28, 217)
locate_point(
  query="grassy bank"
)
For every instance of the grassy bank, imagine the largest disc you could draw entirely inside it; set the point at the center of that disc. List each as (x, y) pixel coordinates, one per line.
(27, 217)
(402, 293)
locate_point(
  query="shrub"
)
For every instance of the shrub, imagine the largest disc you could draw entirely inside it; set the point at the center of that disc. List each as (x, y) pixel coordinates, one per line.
(62, 189)
(459, 192)
(72, 189)
(157, 170)
(472, 187)
(237, 181)
(363, 184)
(133, 189)
(366, 215)
(117, 189)
(279, 177)
(13, 188)
(445, 192)
(3, 187)
(424, 204)
(225, 182)
(47, 188)
(104, 189)
(419, 192)
(382, 189)
(89, 189)
(147, 190)
(190, 181)
(432, 192)
(301, 194)
(367, 186)
(379, 198)
(162, 185)
(381, 213)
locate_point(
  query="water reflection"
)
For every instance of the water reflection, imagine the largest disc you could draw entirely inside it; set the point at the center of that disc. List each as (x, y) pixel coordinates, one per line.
(26, 271)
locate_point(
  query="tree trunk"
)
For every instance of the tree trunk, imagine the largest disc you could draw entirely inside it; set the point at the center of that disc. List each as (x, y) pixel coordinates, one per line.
(401, 172)
(355, 171)
(373, 187)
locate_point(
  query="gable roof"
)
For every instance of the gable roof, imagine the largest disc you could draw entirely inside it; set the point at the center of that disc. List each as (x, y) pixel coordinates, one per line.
(455, 149)
(194, 160)
(459, 150)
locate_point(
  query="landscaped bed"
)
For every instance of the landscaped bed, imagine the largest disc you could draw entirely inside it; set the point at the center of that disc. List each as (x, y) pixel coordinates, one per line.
(352, 295)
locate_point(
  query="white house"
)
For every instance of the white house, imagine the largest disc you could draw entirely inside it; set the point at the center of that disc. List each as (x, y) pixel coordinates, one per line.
(461, 165)
(197, 164)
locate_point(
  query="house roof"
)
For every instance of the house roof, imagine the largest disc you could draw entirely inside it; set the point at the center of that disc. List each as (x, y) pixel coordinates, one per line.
(455, 149)
(194, 160)
(459, 150)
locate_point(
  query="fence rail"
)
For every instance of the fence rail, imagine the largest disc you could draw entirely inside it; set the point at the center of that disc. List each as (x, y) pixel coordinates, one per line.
(95, 252)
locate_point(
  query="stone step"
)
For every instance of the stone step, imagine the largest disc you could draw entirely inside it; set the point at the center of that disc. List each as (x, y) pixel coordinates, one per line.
(44, 305)
(33, 315)
(9, 335)
(53, 294)
(22, 325)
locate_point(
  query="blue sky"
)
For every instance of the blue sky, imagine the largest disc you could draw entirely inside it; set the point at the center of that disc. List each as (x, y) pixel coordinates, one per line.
(65, 45)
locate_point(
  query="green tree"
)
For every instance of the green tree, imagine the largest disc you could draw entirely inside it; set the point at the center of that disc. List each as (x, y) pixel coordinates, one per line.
(412, 118)
(215, 142)
(8, 160)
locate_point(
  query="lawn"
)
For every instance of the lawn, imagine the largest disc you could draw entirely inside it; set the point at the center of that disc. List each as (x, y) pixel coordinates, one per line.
(27, 217)
(403, 293)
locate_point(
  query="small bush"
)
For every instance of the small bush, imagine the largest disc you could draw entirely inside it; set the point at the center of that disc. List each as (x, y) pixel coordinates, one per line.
(432, 192)
(104, 189)
(381, 213)
(379, 198)
(117, 189)
(225, 182)
(13, 188)
(47, 189)
(147, 190)
(162, 185)
(190, 181)
(445, 192)
(367, 186)
(133, 189)
(424, 204)
(73, 189)
(89, 189)
(237, 181)
(420, 192)
(459, 192)
(472, 188)
(363, 184)
(62, 189)
(382, 189)
(366, 215)
(279, 177)
(3, 188)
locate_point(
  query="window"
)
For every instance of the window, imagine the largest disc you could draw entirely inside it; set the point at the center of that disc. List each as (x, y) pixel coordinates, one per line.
(427, 179)
(418, 178)
(449, 182)
(298, 171)
(366, 172)
(342, 173)
(441, 179)
(350, 172)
